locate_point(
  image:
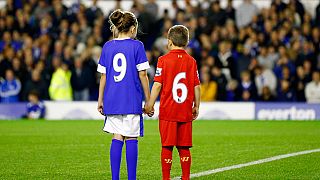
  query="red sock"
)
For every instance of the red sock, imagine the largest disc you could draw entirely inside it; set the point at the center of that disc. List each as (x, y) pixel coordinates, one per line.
(185, 161)
(166, 162)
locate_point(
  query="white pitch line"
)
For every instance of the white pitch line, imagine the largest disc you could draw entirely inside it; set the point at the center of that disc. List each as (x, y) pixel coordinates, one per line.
(261, 161)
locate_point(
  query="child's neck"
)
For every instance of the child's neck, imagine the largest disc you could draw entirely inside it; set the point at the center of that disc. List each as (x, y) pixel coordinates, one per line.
(177, 48)
(123, 36)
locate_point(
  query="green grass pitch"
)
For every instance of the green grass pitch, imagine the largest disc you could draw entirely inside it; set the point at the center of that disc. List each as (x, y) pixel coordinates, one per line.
(80, 150)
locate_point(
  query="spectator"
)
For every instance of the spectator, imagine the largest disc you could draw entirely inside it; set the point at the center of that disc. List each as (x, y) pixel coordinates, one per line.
(216, 15)
(245, 12)
(298, 7)
(232, 90)
(146, 24)
(80, 81)
(93, 12)
(280, 6)
(42, 9)
(58, 13)
(20, 72)
(266, 95)
(6, 62)
(68, 55)
(151, 71)
(230, 11)
(60, 86)
(316, 39)
(286, 75)
(286, 92)
(300, 84)
(226, 62)
(35, 84)
(95, 54)
(152, 8)
(247, 90)
(6, 40)
(264, 59)
(161, 42)
(10, 88)
(221, 80)
(306, 53)
(208, 88)
(307, 68)
(245, 60)
(312, 90)
(265, 78)
(35, 107)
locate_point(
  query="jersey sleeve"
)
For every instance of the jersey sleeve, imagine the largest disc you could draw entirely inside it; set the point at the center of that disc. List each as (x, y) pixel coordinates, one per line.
(29, 106)
(196, 75)
(142, 62)
(158, 75)
(102, 61)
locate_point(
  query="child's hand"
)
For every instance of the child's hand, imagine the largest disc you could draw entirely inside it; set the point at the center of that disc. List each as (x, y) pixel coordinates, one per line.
(149, 110)
(195, 112)
(100, 108)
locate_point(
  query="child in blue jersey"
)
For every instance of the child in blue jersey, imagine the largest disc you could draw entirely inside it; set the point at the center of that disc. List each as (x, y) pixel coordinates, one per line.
(123, 64)
(35, 107)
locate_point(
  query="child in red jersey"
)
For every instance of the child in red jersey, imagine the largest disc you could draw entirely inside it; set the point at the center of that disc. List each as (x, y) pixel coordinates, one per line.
(178, 81)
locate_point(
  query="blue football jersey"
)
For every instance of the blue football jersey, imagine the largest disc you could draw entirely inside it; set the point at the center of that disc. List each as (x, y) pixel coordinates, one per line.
(36, 111)
(121, 60)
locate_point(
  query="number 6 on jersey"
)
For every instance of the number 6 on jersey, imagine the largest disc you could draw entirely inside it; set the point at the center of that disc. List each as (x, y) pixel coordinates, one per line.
(181, 86)
(120, 69)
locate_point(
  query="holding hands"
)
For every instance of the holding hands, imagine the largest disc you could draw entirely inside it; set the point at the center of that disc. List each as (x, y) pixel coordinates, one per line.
(148, 109)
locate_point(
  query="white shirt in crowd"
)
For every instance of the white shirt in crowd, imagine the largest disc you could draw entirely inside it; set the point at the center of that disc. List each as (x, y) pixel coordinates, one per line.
(312, 92)
(245, 12)
(267, 78)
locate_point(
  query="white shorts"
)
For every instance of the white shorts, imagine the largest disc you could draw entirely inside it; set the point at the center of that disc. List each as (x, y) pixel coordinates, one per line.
(129, 125)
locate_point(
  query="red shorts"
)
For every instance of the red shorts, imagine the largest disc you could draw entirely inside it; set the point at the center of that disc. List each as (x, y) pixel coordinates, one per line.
(175, 133)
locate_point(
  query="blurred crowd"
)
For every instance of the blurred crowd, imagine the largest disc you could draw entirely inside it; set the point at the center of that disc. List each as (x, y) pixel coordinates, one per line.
(243, 54)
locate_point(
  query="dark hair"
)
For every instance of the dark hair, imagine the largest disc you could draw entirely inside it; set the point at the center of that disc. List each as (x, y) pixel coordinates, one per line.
(122, 20)
(34, 93)
(179, 35)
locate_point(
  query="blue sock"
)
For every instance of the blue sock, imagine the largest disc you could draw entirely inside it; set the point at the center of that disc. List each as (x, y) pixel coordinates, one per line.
(132, 158)
(115, 158)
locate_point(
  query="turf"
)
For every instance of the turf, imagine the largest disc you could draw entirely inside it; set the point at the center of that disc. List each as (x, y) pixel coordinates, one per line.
(79, 150)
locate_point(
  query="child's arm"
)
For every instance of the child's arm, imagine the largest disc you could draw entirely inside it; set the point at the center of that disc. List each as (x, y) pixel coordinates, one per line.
(101, 91)
(145, 84)
(195, 109)
(156, 88)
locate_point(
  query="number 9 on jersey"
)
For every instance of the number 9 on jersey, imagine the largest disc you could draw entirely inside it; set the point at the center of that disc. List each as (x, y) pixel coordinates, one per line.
(120, 69)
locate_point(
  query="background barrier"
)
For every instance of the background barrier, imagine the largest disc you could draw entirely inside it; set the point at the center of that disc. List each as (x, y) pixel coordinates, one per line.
(208, 111)
(12, 110)
(287, 111)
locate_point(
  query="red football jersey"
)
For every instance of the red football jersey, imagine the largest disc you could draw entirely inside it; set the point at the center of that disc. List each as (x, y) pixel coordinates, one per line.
(177, 72)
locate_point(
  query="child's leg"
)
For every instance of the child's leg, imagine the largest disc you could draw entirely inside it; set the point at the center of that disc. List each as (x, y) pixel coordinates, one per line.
(184, 144)
(132, 157)
(166, 161)
(115, 156)
(185, 161)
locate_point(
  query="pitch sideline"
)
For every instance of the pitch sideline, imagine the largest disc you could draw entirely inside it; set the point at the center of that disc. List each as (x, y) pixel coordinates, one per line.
(261, 161)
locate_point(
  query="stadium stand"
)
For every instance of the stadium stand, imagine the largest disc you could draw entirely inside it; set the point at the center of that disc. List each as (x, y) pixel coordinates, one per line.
(243, 54)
